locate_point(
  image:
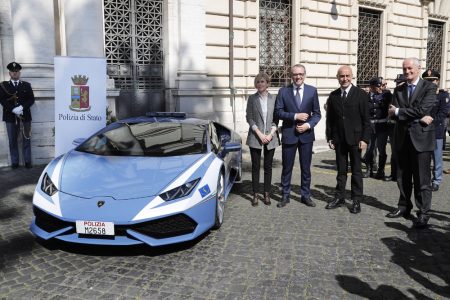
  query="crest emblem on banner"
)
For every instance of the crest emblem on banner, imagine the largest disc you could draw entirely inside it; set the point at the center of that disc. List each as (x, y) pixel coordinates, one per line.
(79, 93)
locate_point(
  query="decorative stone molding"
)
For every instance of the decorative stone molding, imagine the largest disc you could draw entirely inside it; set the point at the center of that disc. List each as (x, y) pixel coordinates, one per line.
(426, 2)
(373, 3)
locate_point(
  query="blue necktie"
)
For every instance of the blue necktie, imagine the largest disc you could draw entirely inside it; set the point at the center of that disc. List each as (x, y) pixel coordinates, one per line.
(410, 90)
(297, 96)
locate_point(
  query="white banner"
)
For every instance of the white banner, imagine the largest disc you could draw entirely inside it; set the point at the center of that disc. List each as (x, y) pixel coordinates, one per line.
(80, 99)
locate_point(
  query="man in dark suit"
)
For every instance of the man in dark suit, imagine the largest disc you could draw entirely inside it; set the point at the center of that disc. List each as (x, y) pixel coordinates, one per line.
(414, 141)
(347, 132)
(298, 106)
(16, 97)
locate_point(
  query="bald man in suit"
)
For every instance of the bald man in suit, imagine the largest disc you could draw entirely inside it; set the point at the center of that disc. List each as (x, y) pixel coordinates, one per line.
(348, 132)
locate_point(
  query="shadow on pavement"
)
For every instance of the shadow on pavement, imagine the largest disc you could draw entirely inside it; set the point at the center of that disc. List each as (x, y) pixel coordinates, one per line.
(328, 195)
(425, 252)
(358, 287)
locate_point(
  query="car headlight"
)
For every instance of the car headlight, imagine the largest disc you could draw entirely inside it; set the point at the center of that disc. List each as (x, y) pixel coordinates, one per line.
(179, 191)
(47, 185)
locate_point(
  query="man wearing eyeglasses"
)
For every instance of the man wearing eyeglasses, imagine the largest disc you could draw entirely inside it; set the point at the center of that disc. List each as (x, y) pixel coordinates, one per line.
(298, 106)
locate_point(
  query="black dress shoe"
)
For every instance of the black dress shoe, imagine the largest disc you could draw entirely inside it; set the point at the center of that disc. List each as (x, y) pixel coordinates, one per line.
(434, 187)
(255, 200)
(283, 202)
(421, 222)
(379, 175)
(335, 203)
(307, 202)
(14, 166)
(399, 213)
(28, 165)
(356, 207)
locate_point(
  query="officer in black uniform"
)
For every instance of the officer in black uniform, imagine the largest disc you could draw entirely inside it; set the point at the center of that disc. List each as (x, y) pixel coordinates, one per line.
(400, 79)
(16, 97)
(439, 114)
(378, 111)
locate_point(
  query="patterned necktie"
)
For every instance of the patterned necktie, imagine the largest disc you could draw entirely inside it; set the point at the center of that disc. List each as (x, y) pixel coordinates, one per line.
(298, 98)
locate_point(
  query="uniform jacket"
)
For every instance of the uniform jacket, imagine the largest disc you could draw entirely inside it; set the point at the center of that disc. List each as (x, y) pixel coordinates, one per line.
(286, 107)
(25, 97)
(439, 113)
(348, 120)
(254, 116)
(411, 111)
(379, 105)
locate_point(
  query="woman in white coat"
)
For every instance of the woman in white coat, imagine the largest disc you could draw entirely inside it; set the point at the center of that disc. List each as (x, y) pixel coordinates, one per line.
(262, 135)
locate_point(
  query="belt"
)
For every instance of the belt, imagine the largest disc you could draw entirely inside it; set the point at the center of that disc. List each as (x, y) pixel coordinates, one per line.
(378, 120)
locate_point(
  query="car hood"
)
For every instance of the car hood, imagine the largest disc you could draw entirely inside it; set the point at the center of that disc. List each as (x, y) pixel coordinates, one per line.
(120, 177)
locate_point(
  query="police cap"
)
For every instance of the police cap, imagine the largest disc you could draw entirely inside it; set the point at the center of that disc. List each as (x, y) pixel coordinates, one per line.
(400, 78)
(14, 67)
(376, 81)
(431, 75)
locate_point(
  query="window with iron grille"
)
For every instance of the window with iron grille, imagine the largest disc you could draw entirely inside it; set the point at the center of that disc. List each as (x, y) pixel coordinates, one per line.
(133, 43)
(275, 40)
(434, 45)
(369, 26)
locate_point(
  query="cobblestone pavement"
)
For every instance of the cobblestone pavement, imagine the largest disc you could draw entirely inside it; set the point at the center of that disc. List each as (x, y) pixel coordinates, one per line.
(263, 252)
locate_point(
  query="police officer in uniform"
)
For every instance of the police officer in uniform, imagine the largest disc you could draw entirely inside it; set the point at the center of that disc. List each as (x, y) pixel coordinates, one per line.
(438, 113)
(16, 97)
(399, 80)
(378, 111)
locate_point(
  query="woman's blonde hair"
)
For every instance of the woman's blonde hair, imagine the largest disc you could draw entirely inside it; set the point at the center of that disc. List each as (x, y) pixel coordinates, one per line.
(264, 76)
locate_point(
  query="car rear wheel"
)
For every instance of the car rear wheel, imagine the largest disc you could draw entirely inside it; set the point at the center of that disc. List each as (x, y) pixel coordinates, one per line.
(220, 202)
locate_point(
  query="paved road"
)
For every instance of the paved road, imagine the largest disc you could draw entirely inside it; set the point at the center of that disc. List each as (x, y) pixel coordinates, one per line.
(259, 253)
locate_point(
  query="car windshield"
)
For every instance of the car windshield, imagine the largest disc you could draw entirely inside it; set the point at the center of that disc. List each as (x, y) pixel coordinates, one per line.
(148, 139)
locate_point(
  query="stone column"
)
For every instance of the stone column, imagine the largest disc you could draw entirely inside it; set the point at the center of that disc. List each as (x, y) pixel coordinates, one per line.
(33, 30)
(192, 82)
(83, 28)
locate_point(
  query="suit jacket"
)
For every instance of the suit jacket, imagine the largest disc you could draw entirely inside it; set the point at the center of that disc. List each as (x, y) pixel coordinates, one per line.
(348, 120)
(25, 97)
(411, 111)
(286, 107)
(254, 116)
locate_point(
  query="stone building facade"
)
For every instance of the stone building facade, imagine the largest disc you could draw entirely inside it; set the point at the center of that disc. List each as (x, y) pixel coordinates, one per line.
(201, 56)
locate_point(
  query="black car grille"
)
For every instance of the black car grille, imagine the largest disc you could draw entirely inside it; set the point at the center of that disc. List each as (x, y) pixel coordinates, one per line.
(166, 227)
(161, 228)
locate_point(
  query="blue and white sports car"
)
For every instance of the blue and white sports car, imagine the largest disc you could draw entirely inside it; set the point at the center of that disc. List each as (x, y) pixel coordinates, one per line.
(155, 180)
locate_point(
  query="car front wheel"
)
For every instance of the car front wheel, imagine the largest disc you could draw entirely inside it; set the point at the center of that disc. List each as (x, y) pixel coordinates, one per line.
(220, 202)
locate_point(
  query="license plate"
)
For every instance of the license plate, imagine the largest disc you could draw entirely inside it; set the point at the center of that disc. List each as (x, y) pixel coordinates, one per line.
(95, 227)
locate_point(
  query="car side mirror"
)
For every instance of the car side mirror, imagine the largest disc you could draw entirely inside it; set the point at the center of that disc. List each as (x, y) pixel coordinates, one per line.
(232, 147)
(78, 141)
